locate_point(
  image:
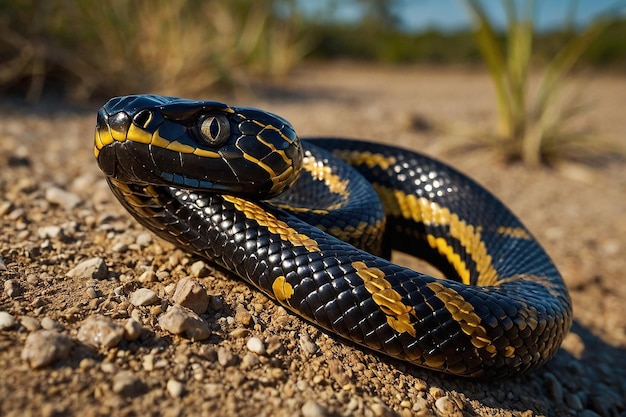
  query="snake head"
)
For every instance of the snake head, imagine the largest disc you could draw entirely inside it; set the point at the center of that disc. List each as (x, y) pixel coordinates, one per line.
(200, 145)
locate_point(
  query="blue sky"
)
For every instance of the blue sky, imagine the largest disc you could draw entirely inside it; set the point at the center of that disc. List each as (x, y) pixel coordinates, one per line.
(418, 15)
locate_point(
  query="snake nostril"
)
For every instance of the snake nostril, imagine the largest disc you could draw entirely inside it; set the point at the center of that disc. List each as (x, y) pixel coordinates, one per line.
(119, 121)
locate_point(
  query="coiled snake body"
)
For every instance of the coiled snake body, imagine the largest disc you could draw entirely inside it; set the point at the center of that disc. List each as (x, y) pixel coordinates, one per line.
(236, 186)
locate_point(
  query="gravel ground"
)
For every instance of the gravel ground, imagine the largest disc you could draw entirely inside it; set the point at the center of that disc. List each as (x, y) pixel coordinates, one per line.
(87, 323)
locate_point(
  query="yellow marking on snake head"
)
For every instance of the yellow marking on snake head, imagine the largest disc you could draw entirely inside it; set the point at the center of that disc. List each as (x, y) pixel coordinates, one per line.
(137, 134)
(463, 313)
(282, 289)
(389, 300)
(205, 153)
(176, 146)
(263, 218)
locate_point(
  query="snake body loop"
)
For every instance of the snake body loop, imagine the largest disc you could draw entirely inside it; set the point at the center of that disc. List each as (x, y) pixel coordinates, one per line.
(312, 223)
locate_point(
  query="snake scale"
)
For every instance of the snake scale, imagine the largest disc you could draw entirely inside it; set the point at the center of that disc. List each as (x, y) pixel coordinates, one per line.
(312, 223)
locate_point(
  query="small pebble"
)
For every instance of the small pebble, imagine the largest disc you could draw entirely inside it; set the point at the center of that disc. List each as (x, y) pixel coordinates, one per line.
(248, 361)
(144, 297)
(242, 316)
(312, 409)
(447, 406)
(119, 247)
(49, 232)
(94, 268)
(555, 389)
(100, 331)
(175, 388)
(49, 324)
(7, 321)
(225, 356)
(30, 323)
(256, 345)
(126, 384)
(307, 344)
(216, 302)
(191, 294)
(143, 239)
(132, 329)
(43, 347)
(199, 270)
(147, 276)
(12, 288)
(60, 197)
(180, 320)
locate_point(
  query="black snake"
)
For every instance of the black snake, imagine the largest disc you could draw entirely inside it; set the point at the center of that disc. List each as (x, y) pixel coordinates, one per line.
(236, 186)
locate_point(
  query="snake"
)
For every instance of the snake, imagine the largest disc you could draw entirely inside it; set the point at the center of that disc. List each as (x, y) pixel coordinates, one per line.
(313, 222)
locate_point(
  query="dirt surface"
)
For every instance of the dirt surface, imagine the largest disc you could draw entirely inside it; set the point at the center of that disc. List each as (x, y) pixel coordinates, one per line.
(56, 211)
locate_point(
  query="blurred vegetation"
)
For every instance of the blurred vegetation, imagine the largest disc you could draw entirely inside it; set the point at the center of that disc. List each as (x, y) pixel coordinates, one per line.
(531, 128)
(92, 48)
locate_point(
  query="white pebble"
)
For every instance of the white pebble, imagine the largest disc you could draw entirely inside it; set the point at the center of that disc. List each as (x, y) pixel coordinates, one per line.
(60, 197)
(7, 321)
(312, 409)
(49, 324)
(94, 268)
(100, 331)
(191, 294)
(43, 347)
(180, 320)
(143, 239)
(175, 388)
(143, 297)
(49, 232)
(256, 345)
(132, 329)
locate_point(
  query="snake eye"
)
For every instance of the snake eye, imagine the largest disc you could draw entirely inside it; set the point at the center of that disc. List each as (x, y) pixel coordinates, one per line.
(215, 130)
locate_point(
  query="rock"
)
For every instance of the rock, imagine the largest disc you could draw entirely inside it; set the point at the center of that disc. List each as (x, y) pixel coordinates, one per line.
(256, 345)
(312, 409)
(180, 320)
(30, 323)
(50, 324)
(100, 331)
(132, 329)
(175, 388)
(126, 384)
(143, 239)
(7, 321)
(60, 197)
(143, 297)
(191, 294)
(12, 288)
(43, 347)
(49, 232)
(446, 406)
(94, 268)
(242, 316)
(307, 344)
(225, 356)
(216, 302)
(198, 269)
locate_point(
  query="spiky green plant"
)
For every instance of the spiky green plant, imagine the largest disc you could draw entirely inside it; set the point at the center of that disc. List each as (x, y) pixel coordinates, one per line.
(534, 129)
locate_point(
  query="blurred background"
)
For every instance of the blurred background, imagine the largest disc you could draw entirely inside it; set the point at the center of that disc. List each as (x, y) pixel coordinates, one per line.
(92, 48)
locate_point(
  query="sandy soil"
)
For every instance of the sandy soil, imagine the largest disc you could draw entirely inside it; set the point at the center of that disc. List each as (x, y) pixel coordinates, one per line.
(47, 150)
